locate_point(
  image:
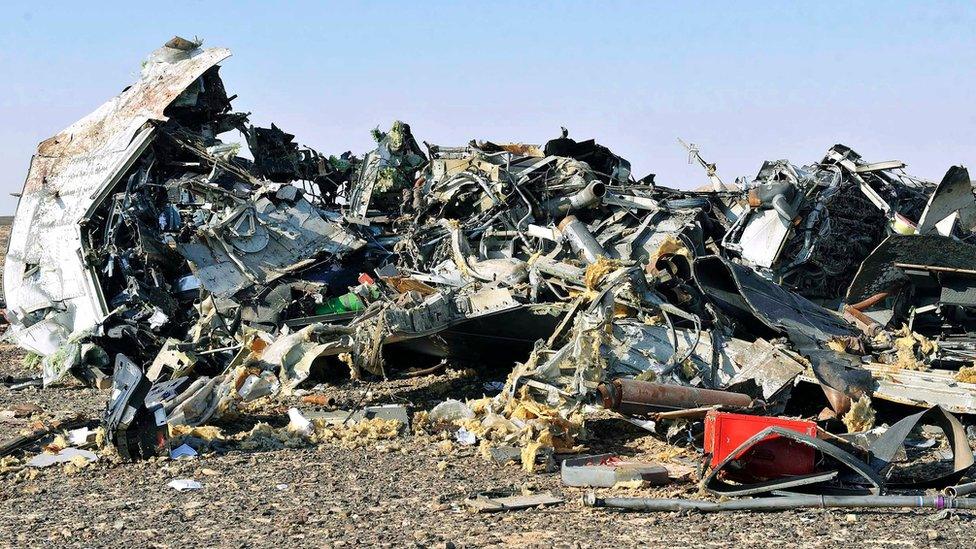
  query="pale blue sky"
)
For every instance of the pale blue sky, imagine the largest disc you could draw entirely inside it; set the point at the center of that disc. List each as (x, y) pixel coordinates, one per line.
(747, 81)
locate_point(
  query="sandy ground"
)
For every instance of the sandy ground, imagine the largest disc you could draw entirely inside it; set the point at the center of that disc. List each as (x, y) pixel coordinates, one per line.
(405, 492)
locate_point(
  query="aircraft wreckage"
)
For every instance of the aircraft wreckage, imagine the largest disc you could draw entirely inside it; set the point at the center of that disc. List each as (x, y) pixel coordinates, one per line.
(148, 254)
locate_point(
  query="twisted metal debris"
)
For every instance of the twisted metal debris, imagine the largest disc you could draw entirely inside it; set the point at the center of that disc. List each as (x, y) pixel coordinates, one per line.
(150, 253)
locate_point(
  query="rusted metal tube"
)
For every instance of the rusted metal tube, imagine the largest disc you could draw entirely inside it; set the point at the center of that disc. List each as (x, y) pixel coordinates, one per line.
(575, 232)
(864, 323)
(632, 397)
(861, 305)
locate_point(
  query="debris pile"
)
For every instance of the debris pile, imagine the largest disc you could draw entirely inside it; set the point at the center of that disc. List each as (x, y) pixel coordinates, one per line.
(194, 274)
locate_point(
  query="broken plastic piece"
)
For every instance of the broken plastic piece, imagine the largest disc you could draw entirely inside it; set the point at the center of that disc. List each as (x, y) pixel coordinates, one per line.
(183, 451)
(465, 437)
(184, 484)
(80, 436)
(450, 410)
(63, 456)
(297, 423)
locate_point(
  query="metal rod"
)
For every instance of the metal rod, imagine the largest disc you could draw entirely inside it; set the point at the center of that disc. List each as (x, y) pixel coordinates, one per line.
(960, 489)
(784, 503)
(935, 268)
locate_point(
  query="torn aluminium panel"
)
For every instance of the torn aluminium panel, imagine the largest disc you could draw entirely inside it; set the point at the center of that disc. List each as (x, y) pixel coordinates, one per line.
(50, 293)
(952, 198)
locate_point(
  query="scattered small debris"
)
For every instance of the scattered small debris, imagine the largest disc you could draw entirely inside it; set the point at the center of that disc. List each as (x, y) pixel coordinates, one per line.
(493, 502)
(465, 437)
(298, 424)
(184, 484)
(81, 436)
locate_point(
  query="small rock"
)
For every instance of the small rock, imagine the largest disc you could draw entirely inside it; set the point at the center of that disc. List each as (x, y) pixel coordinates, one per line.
(850, 517)
(932, 535)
